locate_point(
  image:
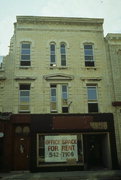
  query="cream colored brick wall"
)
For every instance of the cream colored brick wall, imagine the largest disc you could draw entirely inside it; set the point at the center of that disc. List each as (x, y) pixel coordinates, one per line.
(74, 32)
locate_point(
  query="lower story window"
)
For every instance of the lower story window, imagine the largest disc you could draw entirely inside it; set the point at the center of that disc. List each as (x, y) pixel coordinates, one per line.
(24, 97)
(92, 107)
(92, 98)
(59, 149)
(59, 98)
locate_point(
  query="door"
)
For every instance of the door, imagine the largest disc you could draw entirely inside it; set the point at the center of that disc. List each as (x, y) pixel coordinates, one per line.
(21, 148)
(93, 151)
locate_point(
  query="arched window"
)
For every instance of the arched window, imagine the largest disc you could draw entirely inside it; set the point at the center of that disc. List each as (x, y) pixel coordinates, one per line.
(63, 54)
(26, 130)
(18, 130)
(52, 54)
(89, 54)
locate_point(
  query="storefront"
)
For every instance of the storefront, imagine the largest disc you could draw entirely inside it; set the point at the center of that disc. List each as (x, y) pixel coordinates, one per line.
(54, 142)
(73, 141)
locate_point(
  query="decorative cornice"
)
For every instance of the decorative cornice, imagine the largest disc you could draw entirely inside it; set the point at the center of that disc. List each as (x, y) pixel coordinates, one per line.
(58, 76)
(25, 78)
(59, 20)
(113, 37)
(58, 30)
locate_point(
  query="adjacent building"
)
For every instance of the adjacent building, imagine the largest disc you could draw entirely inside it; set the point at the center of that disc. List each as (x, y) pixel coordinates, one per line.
(58, 92)
(113, 46)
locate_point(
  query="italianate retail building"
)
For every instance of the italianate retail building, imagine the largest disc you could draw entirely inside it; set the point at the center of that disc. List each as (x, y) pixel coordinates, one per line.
(60, 96)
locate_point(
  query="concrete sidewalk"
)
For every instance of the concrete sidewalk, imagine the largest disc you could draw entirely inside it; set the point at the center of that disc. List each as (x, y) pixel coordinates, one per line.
(70, 175)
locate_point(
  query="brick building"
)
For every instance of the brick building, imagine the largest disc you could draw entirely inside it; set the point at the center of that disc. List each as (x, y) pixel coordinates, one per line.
(56, 105)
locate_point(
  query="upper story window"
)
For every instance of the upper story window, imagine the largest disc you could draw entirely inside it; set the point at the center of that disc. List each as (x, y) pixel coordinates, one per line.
(24, 97)
(63, 54)
(92, 99)
(88, 54)
(25, 54)
(52, 54)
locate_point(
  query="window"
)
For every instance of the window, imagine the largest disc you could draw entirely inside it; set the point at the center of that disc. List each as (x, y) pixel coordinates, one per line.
(92, 99)
(24, 97)
(52, 149)
(53, 98)
(25, 54)
(59, 98)
(63, 54)
(88, 54)
(64, 99)
(52, 55)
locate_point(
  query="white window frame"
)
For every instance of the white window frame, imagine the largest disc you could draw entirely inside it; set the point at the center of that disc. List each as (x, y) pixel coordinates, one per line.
(63, 54)
(89, 62)
(26, 103)
(59, 98)
(95, 100)
(24, 61)
(53, 53)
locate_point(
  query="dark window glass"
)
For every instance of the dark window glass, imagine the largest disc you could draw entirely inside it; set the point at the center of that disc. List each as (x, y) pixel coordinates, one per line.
(25, 63)
(52, 54)
(92, 107)
(65, 109)
(88, 53)
(24, 86)
(63, 54)
(25, 54)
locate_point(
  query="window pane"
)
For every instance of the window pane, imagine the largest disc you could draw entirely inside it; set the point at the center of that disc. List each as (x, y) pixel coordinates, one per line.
(88, 58)
(64, 95)
(24, 93)
(53, 92)
(92, 93)
(25, 57)
(63, 51)
(88, 52)
(25, 54)
(92, 107)
(25, 51)
(52, 54)
(89, 63)
(52, 58)
(24, 99)
(24, 87)
(53, 98)
(52, 47)
(88, 46)
(63, 55)
(25, 63)
(64, 88)
(26, 45)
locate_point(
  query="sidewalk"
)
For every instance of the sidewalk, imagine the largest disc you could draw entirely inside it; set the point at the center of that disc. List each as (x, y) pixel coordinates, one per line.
(70, 175)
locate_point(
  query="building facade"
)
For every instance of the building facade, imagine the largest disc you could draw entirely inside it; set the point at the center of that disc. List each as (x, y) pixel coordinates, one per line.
(113, 46)
(56, 98)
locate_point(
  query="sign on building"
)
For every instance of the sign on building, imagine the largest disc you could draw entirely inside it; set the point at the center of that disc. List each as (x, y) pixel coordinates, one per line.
(61, 148)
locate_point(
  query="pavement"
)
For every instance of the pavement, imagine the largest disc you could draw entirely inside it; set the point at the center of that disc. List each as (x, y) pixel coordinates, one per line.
(70, 175)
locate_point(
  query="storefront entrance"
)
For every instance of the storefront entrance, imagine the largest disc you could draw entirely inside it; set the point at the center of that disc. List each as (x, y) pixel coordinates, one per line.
(97, 151)
(21, 148)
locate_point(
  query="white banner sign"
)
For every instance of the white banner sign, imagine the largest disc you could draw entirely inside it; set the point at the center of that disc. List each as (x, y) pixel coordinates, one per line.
(61, 148)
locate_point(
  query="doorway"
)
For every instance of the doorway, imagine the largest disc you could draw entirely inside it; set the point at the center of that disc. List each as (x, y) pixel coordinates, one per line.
(97, 151)
(21, 148)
